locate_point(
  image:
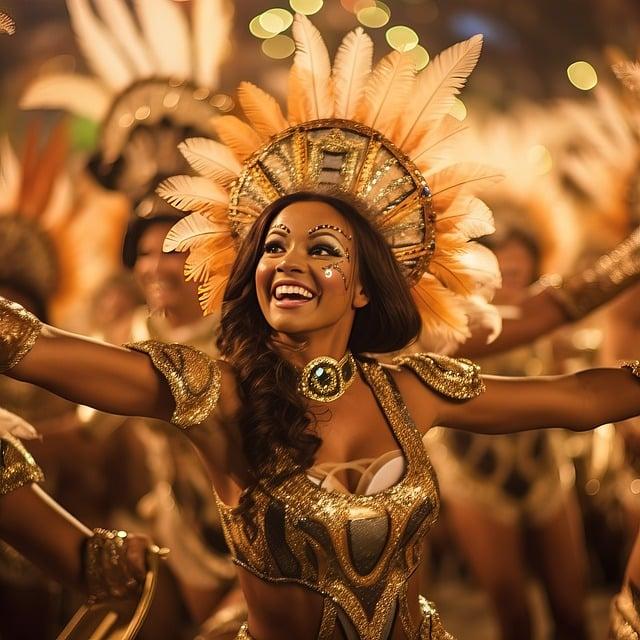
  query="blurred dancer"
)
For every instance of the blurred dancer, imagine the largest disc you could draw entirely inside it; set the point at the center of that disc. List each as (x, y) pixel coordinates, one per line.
(166, 95)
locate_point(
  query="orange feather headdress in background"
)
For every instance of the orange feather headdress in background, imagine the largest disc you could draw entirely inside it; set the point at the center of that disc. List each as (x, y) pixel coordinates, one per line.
(383, 135)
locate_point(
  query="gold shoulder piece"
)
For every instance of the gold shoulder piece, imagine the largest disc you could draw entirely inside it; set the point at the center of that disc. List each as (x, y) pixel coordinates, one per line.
(193, 377)
(455, 378)
(17, 466)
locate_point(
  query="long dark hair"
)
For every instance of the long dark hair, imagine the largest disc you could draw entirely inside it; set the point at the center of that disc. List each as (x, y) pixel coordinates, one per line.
(273, 412)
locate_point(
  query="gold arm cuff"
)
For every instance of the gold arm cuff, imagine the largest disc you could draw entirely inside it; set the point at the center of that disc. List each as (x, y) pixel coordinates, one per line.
(19, 331)
(456, 378)
(17, 466)
(633, 366)
(611, 274)
(193, 377)
(106, 567)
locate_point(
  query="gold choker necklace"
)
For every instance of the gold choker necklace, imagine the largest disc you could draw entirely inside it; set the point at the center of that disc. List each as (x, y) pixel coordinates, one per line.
(325, 379)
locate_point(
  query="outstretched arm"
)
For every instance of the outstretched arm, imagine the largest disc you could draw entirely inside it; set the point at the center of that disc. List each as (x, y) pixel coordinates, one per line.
(85, 371)
(579, 402)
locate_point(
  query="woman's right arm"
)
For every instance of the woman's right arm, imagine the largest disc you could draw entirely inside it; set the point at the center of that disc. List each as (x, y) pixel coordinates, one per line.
(109, 378)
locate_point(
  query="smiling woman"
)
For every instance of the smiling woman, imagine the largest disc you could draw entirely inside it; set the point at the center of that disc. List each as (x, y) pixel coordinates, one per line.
(328, 235)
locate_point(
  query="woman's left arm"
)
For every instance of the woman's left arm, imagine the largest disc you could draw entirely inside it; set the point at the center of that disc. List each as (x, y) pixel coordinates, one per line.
(579, 401)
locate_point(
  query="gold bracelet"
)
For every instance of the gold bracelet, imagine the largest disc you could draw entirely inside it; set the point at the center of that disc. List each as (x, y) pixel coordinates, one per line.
(19, 331)
(106, 567)
(633, 366)
(611, 274)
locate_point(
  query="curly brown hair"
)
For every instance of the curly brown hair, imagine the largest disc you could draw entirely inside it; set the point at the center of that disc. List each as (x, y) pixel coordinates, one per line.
(274, 413)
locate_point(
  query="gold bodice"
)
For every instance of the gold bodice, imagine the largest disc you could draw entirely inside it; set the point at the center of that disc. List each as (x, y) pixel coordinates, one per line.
(359, 551)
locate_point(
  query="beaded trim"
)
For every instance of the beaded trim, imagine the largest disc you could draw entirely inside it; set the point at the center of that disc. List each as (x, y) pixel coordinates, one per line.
(633, 366)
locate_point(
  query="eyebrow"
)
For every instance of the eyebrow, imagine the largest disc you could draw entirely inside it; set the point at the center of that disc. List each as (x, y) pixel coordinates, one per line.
(333, 227)
(282, 227)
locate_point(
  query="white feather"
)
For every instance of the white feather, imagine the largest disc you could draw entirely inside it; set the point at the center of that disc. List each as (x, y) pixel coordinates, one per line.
(191, 231)
(118, 18)
(312, 59)
(211, 159)
(76, 94)
(166, 31)
(350, 71)
(189, 193)
(98, 47)
(212, 21)
(437, 86)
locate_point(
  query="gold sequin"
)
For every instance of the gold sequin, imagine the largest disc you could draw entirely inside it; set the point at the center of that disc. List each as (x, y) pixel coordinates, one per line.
(633, 366)
(455, 378)
(17, 466)
(193, 377)
(19, 331)
(294, 531)
(625, 614)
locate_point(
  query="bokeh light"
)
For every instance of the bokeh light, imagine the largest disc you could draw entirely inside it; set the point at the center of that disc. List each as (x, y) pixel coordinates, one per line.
(402, 38)
(275, 20)
(421, 56)
(353, 6)
(308, 7)
(539, 157)
(582, 75)
(458, 109)
(374, 17)
(256, 29)
(278, 47)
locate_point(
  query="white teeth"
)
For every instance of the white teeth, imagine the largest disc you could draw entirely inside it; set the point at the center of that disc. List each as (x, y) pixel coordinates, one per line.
(285, 289)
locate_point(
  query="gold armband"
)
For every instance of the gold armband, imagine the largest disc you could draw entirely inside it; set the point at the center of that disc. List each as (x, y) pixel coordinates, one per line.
(106, 567)
(193, 377)
(19, 331)
(611, 274)
(633, 366)
(17, 466)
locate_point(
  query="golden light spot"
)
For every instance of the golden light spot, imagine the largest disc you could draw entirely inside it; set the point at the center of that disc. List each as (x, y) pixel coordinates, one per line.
(142, 112)
(308, 7)
(374, 17)
(582, 75)
(635, 486)
(421, 56)
(275, 20)
(592, 486)
(353, 6)
(402, 38)
(279, 47)
(222, 102)
(458, 109)
(171, 99)
(539, 157)
(201, 93)
(256, 29)
(126, 120)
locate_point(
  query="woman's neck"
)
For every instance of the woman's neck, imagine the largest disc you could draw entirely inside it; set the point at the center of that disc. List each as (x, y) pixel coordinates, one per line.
(299, 349)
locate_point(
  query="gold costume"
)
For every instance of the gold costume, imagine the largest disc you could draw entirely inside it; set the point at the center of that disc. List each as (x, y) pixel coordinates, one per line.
(359, 551)
(17, 466)
(625, 614)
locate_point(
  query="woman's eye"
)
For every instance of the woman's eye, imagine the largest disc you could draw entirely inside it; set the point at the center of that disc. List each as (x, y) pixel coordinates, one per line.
(272, 247)
(325, 250)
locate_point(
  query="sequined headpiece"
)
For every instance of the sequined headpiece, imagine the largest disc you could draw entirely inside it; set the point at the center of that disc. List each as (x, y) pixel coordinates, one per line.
(381, 135)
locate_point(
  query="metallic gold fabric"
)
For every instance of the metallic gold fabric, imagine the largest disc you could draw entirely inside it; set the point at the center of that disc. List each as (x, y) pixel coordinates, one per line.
(625, 614)
(19, 331)
(17, 466)
(455, 378)
(294, 531)
(194, 379)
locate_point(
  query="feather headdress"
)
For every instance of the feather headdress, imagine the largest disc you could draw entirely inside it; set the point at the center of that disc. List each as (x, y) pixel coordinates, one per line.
(348, 127)
(152, 71)
(530, 198)
(7, 25)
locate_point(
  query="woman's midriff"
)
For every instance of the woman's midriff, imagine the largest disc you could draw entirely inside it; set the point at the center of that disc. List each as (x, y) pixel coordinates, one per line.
(294, 611)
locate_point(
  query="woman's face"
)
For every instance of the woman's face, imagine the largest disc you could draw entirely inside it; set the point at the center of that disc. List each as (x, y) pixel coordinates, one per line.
(518, 268)
(306, 279)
